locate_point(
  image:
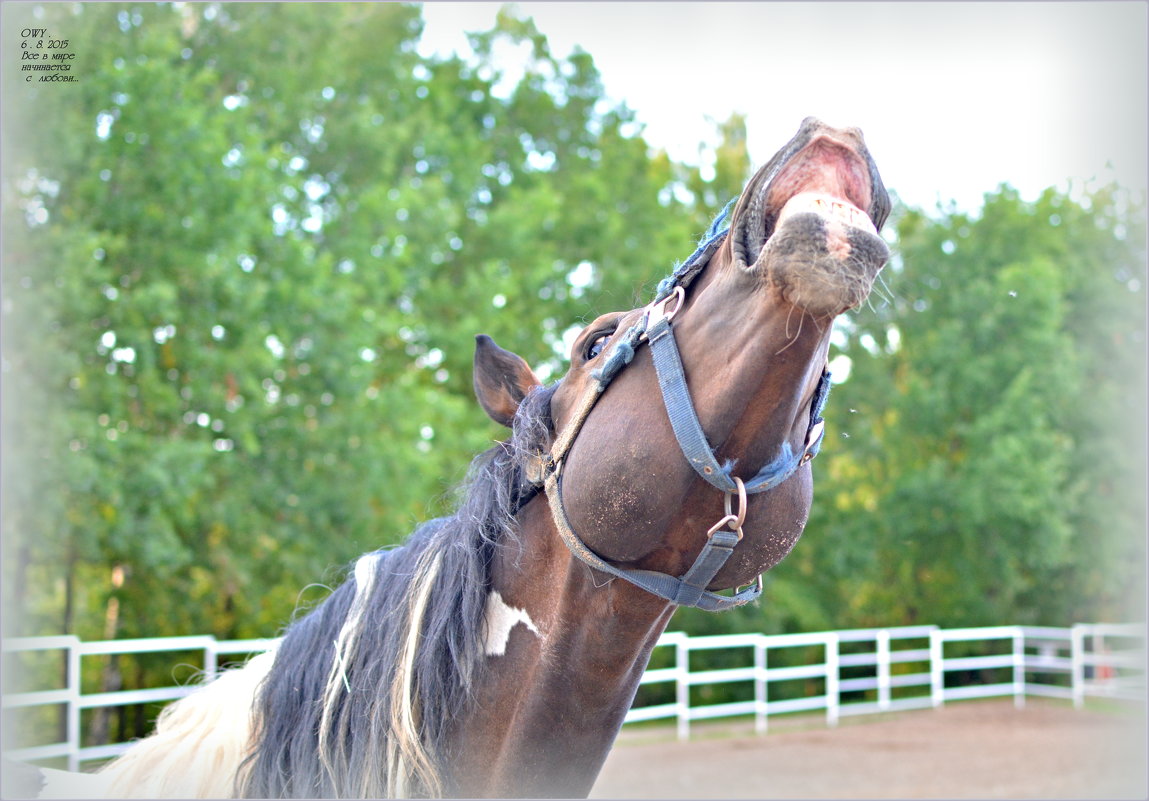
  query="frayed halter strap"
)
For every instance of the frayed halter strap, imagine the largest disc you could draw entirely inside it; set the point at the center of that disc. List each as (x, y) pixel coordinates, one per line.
(654, 327)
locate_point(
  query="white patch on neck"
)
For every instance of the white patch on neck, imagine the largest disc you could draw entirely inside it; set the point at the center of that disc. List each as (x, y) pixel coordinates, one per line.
(500, 619)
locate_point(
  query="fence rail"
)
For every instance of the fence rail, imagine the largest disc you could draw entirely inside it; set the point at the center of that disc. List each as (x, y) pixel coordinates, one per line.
(851, 672)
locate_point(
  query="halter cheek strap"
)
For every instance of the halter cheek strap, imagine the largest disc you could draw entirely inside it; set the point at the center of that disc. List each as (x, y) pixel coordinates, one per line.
(688, 430)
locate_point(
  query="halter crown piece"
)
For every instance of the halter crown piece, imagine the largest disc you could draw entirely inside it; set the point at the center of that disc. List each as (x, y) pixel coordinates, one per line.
(654, 327)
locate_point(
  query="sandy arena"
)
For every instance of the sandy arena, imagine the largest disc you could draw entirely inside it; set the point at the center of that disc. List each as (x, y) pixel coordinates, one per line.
(969, 749)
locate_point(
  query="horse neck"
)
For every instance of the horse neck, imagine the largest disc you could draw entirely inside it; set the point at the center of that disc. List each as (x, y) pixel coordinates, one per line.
(565, 652)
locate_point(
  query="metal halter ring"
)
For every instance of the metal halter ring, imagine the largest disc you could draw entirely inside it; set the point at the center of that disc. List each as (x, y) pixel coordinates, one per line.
(734, 521)
(657, 310)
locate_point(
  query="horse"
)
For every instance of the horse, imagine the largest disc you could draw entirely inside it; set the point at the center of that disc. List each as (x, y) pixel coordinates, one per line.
(496, 652)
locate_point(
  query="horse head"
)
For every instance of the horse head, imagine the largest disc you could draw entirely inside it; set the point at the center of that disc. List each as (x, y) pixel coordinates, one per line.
(750, 315)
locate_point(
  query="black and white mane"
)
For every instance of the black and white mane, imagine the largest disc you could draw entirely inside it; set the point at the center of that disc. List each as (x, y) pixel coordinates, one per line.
(362, 689)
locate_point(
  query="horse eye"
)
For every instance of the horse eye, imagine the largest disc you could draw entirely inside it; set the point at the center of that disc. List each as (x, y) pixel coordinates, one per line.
(596, 346)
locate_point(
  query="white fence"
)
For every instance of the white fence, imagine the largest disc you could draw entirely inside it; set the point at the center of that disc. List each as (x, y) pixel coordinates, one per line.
(851, 672)
(74, 701)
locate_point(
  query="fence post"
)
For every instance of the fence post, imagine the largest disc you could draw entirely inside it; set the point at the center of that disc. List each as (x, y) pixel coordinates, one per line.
(833, 666)
(75, 682)
(937, 675)
(761, 691)
(884, 682)
(1018, 669)
(210, 660)
(682, 686)
(1077, 662)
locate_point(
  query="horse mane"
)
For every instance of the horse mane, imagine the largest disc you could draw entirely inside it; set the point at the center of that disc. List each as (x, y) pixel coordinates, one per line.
(365, 687)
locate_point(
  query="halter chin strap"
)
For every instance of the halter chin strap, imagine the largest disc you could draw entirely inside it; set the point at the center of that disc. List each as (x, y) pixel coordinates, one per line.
(654, 327)
(687, 590)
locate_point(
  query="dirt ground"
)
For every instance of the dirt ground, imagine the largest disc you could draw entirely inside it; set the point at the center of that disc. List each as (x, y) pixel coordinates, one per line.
(969, 749)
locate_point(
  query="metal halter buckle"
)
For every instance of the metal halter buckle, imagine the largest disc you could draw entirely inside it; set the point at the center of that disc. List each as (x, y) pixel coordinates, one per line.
(757, 586)
(734, 521)
(656, 311)
(811, 438)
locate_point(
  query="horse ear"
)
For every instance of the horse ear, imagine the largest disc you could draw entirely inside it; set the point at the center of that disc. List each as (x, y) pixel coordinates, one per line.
(502, 379)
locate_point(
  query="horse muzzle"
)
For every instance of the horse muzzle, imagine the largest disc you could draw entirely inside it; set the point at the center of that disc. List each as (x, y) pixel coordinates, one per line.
(808, 221)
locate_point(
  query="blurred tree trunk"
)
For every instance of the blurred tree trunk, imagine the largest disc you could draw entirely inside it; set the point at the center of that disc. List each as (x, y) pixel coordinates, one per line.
(111, 678)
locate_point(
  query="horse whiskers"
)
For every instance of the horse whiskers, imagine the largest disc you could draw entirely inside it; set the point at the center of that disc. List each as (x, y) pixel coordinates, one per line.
(883, 290)
(595, 581)
(798, 333)
(801, 317)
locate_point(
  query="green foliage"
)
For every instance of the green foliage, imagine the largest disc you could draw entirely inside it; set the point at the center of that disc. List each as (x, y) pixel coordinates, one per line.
(243, 279)
(244, 272)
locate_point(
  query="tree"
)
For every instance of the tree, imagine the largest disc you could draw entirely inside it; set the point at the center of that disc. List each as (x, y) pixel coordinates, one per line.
(243, 279)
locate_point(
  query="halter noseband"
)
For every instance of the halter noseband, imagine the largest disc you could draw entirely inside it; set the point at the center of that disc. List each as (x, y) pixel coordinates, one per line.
(654, 328)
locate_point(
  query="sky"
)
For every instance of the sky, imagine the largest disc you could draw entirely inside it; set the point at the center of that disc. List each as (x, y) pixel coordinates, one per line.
(954, 98)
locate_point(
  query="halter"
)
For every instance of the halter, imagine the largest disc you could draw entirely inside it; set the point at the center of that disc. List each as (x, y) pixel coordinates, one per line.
(654, 328)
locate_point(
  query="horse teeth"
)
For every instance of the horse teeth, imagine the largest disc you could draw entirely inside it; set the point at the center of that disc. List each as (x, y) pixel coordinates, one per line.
(826, 206)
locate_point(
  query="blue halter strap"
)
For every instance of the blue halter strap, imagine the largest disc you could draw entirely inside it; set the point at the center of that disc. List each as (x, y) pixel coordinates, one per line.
(654, 327)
